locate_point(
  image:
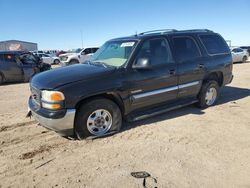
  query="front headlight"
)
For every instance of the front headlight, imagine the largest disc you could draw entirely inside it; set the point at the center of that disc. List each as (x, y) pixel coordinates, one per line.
(52, 99)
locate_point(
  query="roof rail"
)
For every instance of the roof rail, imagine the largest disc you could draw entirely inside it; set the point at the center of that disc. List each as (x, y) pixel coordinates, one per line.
(196, 30)
(158, 31)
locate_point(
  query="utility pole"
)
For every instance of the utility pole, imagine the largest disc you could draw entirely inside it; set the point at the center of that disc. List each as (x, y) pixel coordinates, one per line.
(81, 38)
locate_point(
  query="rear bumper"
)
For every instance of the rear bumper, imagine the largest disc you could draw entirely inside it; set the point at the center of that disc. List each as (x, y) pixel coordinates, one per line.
(63, 126)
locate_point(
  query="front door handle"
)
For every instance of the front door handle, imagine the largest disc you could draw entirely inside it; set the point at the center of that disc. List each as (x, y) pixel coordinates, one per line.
(201, 66)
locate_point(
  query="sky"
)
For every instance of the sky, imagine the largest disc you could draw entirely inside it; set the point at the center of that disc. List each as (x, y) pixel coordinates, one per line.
(67, 24)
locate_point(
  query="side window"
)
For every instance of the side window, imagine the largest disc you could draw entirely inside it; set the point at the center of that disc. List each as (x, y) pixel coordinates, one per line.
(94, 50)
(214, 44)
(240, 50)
(157, 51)
(185, 48)
(234, 50)
(1, 58)
(87, 51)
(9, 58)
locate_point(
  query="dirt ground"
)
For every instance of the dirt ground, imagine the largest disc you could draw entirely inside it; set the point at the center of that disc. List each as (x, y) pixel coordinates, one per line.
(188, 147)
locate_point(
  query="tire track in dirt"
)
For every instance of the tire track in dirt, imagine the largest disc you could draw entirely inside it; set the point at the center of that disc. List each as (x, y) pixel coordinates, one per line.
(17, 125)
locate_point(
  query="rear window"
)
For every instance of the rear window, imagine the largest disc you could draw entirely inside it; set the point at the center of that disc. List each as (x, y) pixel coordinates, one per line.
(214, 44)
(9, 57)
(185, 48)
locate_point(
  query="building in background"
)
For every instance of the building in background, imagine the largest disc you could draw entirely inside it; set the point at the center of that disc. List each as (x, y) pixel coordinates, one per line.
(13, 45)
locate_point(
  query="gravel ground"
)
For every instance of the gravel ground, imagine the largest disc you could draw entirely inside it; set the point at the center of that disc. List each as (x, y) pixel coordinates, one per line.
(188, 147)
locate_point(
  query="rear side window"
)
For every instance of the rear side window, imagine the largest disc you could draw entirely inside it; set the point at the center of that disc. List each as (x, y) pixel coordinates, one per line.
(214, 44)
(185, 48)
(1, 58)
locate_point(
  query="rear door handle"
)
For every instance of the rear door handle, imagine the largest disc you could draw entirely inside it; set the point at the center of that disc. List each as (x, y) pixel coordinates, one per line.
(172, 72)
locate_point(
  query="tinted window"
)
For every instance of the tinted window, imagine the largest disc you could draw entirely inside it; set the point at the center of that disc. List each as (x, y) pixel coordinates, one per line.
(185, 48)
(94, 50)
(214, 44)
(1, 57)
(157, 50)
(87, 51)
(9, 57)
(240, 50)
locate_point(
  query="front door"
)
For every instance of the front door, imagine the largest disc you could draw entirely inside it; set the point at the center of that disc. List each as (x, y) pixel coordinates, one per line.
(13, 71)
(155, 85)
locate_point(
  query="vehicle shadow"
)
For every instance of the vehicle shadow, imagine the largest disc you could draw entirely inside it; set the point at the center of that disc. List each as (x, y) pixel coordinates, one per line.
(228, 94)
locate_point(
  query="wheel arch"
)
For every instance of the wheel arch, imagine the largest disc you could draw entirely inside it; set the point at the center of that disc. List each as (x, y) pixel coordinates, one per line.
(217, 76)
(108, 95)
(2, 74)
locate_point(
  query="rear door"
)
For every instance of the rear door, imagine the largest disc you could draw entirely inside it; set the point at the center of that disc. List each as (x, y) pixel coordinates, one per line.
(13, 70)
(157, 84)
(85, 55)
(191, 68)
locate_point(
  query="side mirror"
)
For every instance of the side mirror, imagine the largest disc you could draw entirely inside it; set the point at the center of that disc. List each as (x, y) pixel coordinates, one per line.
(142, 63)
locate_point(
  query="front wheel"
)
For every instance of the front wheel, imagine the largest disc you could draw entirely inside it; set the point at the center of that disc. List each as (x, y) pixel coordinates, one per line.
(97, 118)
(1, 79)
(209, 94)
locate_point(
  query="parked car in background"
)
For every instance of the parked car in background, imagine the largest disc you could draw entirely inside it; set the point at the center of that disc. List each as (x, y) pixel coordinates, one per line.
(77, 56)
(239, 55)
(132, 78)
(46, 58)
(246, 48)
(19, 66)
(60, 53)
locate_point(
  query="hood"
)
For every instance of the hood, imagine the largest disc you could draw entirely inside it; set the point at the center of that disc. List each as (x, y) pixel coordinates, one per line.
(61, 76)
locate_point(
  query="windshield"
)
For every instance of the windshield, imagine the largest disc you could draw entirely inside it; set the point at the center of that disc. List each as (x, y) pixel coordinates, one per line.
(114, 53)
(78, 50)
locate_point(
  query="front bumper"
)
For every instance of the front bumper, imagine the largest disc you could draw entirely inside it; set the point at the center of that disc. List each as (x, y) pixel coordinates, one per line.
(60, 122)
(63, 126)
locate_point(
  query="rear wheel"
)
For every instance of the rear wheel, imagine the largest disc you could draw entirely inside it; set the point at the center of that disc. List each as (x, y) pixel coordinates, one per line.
(56, 61)
(209, 94)
(244, 59)
(97, 118)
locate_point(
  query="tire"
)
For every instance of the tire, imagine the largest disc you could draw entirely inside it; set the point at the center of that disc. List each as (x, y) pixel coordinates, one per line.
(1, 79)
(204, 95)
(56, 61)
(72, 62)
(87, 118)
(244, 59)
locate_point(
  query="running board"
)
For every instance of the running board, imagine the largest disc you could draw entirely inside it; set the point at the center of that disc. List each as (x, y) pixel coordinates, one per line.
(159, 110)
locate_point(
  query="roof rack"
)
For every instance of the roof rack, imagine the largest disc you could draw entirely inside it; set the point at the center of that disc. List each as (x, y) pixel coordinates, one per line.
(158, 31)
(163, 31)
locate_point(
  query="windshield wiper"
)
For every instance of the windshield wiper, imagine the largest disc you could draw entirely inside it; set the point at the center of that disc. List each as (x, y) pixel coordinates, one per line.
(98, 63)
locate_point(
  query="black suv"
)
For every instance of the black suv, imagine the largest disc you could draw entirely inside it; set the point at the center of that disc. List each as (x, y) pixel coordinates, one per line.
(19, 66)
(132, 78)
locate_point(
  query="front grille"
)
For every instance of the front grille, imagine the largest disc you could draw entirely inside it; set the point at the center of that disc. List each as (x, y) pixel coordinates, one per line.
(36, 95)
(63, 58)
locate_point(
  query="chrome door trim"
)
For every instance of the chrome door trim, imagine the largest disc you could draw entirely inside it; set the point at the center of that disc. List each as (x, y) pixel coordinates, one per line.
(164, 90)
(189, 84)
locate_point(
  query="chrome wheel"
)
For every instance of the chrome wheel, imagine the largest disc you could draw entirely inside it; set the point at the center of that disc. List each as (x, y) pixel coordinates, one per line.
(99, 122)
(211, 96)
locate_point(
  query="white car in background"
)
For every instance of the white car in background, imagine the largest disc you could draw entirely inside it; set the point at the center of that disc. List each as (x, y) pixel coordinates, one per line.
(239, 55)
(46, 58)
(77, 56)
